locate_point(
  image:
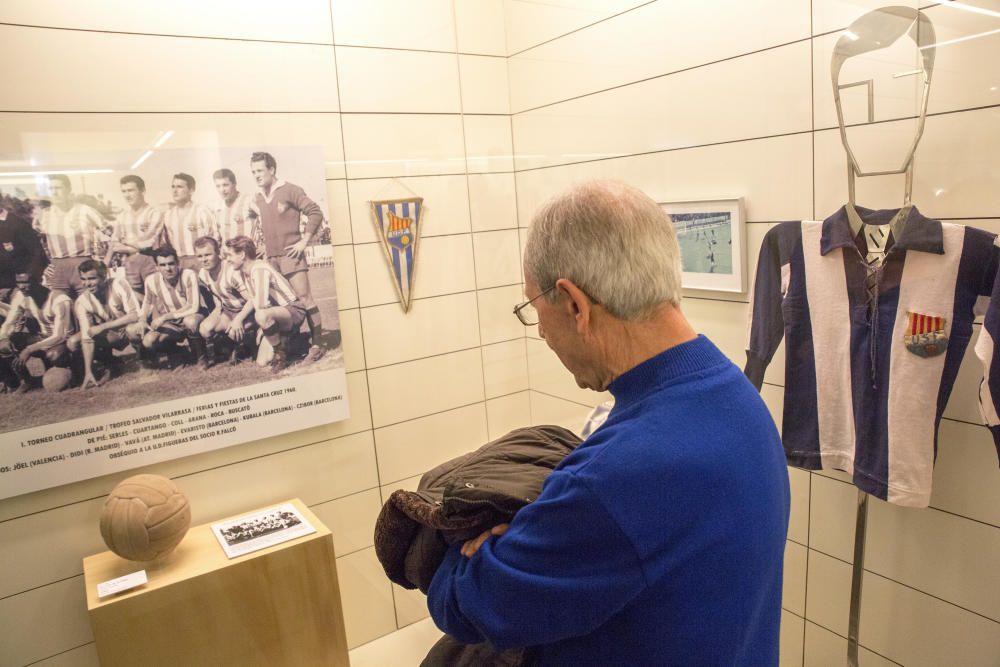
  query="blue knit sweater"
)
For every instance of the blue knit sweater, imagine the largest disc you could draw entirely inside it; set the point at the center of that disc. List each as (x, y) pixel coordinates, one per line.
(659, 541)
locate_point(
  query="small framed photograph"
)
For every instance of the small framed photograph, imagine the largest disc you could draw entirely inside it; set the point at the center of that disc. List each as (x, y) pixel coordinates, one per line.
(712, 236)
(258, 530)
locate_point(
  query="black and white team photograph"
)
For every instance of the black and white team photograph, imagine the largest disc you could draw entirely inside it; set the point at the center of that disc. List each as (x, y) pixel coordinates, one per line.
(193, 272)
(250, 532)
(262, 525)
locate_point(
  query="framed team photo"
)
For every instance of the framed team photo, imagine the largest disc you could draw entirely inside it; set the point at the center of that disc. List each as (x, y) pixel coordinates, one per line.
(160, 303)
(712, 237)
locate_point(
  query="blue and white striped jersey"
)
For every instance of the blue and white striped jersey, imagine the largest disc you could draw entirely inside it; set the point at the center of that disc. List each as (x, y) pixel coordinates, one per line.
(865, 387)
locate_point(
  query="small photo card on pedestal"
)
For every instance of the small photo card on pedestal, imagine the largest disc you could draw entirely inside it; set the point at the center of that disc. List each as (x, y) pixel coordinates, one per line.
(261, 529)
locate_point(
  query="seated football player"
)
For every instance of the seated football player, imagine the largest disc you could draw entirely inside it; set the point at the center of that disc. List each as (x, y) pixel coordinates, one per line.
(173, 304)
(230, 324)
(277, 309)
(38, 324)
(108, 314)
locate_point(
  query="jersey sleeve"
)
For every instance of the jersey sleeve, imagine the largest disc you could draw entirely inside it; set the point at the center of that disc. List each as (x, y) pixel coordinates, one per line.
(238, 285)
(766, 325)
(209, 223)
(82, 312)
(127, 300)
(549, 559)
(310, 209)
(100, 231)
(261, 285)
(13, 315)
(152, 237)
(118, 228)
(62, 323)
(986, 348)
(192, 293)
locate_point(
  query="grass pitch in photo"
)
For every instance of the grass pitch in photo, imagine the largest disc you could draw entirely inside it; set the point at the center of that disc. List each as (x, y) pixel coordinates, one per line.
(128, 385)
(706, 241)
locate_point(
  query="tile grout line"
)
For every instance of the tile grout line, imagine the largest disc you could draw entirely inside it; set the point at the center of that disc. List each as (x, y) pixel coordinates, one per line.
(361, 320)
(812, 136)
(818, 625)
(468, 208)
(581, 28)
(55, 655)
(249, 40)
(910, 587)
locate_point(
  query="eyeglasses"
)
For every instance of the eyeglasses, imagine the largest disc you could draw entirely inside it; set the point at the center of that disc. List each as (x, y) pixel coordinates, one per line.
(527, 313)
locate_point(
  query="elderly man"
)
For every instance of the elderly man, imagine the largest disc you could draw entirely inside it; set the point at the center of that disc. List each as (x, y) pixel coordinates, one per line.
(660, 539)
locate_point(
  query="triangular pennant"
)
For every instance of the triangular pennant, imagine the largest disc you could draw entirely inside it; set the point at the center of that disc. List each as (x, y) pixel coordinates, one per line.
(397, 223)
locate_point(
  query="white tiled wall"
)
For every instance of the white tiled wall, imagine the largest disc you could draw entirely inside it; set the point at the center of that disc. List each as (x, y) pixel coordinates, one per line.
(383, 87)
(709, 100)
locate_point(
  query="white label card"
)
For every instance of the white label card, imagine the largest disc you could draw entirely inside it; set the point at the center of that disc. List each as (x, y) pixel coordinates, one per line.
(129, 581)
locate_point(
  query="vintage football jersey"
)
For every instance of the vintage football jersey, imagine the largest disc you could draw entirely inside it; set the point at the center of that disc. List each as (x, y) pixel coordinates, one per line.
(166, 298)
(121, 301)
(229, 288)
(183, 225)
(53, 317)
(268, 287)
(872, 344)
(139, 229)
(239, 219)
(73, 233)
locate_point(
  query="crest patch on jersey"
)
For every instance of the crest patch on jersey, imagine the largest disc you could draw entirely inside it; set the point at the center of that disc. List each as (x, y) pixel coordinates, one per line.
(925, 334)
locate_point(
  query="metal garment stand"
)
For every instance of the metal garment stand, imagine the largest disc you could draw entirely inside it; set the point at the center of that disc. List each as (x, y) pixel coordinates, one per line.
(871, 32)
(857, 573)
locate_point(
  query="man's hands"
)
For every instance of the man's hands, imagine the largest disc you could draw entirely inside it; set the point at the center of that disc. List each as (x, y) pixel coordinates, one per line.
(296, 249)
(21, 359)
(472, 546)
(235, 330)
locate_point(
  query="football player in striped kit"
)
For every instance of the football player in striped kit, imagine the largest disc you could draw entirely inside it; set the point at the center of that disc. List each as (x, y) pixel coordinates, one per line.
(108, 314)
(230, 324)
(173, 302)
(38, 324)
(137, 231)
(281, 206)
(73, 232)
(235, 214)
(277, 309)
(186, 221)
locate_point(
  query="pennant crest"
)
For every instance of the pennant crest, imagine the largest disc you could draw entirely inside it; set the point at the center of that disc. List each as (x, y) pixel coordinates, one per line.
(925, 335)
(397, 224)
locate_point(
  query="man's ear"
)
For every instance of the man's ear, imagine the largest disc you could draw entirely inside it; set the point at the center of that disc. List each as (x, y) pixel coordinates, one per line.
(579, 305)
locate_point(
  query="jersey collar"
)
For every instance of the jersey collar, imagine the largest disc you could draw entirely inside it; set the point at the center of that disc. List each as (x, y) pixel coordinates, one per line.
(274, 188)
(919, 232)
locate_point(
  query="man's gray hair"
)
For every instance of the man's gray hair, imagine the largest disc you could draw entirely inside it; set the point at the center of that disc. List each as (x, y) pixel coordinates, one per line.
(613, 242)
